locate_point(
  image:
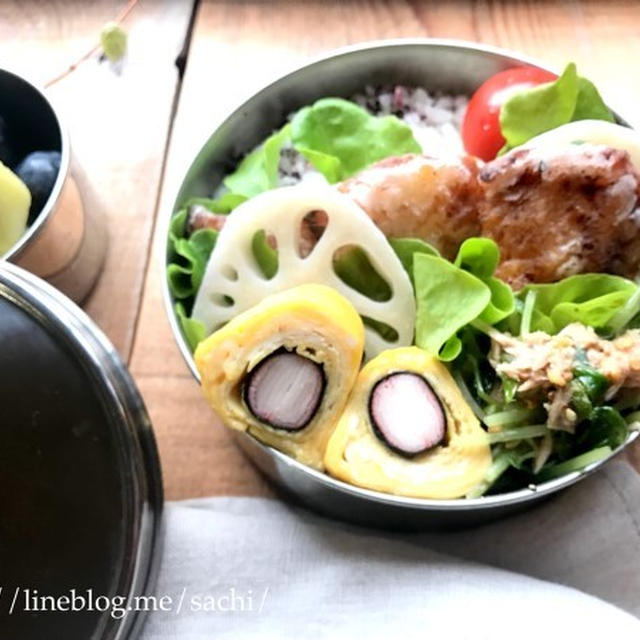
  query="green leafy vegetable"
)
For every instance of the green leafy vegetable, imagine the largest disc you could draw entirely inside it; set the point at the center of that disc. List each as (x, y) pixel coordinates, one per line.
(186, 275)
(339, 138)
(224, 204)
(527, 312)
(605, 427)
(503, 460)
(626, 316)
(480, 256)
(258, 171)
(265, 255)
(329, 166)
(177, 225)
(448, 298)
(592, 299)
(589, 103)
(354, 268)
(405, 249)
(384, 330)
(473, 365)
(510, 416)
(530, 112)
(533, 111)
(449, 295)
(188, 257)
(193, 330)
(587, 389)
(518, 433)
(574, 464)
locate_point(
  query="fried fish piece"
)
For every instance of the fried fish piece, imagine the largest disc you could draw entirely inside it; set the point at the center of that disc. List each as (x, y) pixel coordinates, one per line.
(556, 213)
(421, 197)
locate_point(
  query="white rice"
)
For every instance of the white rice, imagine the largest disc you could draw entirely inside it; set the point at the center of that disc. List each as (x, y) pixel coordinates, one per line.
(434, 120)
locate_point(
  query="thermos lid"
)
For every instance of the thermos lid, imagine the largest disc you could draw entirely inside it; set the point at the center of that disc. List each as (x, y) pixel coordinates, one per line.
(80, 483)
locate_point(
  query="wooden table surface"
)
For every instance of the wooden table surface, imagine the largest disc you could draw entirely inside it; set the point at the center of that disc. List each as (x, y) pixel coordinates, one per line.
(134, 135)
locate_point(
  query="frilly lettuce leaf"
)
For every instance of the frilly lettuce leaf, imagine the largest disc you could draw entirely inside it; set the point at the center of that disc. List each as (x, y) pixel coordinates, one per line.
(502, 303)
(193, 330)
(480, 256)
(450, 296)
(188, 263)
(529, 112)
(258, 171)
(339, 138)
(189, 256)
(593, 299)
(628, 316)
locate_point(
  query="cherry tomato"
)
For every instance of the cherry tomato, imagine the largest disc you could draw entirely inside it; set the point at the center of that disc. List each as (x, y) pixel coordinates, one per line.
(480, 130)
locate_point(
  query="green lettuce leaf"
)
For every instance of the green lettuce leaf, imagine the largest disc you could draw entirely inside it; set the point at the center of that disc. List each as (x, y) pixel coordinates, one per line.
(448, 298)
(265, 256)
(329, 166)
(589, 103)
(193, 330)
(258, 171)
(502, 303)
(354, 268)
(186, 270)
(339, 138)
(592, 299)
(627, 317)
(530, 112)
(480, 256)
(406, 248)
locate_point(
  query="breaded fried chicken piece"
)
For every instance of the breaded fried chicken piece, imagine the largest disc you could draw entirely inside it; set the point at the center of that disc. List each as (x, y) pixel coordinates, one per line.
(421, 197)
(553, 216)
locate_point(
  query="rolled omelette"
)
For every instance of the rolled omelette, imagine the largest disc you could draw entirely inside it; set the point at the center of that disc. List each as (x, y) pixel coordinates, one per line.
(407, 430)
(282, 370)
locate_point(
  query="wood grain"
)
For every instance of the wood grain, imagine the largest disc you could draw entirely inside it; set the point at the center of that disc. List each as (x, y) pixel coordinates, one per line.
(118, 124)
(199, 457)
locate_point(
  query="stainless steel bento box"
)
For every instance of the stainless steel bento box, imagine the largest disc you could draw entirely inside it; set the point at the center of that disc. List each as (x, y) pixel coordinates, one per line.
(438, 65)
(66, 243)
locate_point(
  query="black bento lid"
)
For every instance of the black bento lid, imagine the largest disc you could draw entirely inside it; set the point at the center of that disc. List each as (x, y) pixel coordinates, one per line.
(80, 484)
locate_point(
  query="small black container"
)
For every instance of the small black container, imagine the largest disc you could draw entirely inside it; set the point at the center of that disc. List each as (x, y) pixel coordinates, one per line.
(80, 482)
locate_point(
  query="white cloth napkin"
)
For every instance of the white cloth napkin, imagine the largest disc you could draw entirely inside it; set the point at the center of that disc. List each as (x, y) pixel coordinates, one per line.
(258, 568)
